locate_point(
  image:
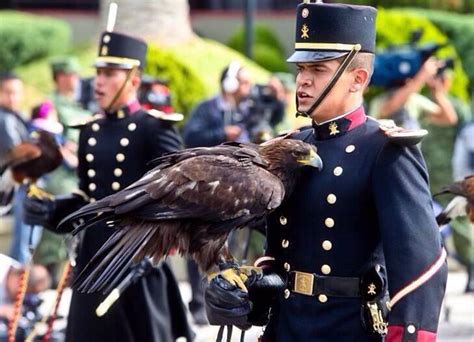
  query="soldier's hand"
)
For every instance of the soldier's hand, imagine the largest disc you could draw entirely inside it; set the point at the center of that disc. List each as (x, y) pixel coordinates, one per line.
(226, 304)
(232, 132)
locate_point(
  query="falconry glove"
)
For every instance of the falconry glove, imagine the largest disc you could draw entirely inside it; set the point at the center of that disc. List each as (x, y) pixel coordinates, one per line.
(49, 212)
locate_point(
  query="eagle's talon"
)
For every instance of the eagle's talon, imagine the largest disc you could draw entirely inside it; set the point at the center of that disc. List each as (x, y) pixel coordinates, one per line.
(34, 191)
(232, 276)
(249, 270)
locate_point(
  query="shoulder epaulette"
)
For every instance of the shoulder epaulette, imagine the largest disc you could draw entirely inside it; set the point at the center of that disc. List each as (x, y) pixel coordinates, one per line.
(174, 117)
(400, 135)
(85, 121)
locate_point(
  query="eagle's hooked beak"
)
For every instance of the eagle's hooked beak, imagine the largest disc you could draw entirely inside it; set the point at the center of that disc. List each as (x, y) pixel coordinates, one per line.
(312, 159)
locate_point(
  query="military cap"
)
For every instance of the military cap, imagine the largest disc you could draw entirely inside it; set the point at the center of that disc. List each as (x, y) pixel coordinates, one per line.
(117, 50)
(329, 31)
(68, 65)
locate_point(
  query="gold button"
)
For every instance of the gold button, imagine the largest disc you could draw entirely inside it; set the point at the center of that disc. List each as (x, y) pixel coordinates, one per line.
(326, 269)
(331, 198)
(132, 127)
(92, 141)
(283, 220)
(323, 298)
(95, 127)
(118, 172)
(338, 171)
(91, 173)
(115, 186)
(350, 148)
(327, 245)
(92, 187)
(286, 266)
(120, 157)
(124, 142)
(285, 243)
(89, 157)
(92, 200)
(286, 293)
(411, 329)
(329, 222)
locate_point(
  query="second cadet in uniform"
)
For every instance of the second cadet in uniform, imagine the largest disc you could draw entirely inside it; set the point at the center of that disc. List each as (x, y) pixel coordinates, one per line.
(114, 149)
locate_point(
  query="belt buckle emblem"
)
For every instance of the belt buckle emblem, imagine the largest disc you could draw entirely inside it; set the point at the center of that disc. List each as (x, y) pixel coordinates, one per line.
(304, 283)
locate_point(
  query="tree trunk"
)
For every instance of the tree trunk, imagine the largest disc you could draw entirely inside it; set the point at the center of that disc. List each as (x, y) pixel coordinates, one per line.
(164, 21)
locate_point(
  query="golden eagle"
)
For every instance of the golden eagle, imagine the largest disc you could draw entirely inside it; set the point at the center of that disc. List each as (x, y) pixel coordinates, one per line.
(191, 201)
(26, 163)
(462, 204)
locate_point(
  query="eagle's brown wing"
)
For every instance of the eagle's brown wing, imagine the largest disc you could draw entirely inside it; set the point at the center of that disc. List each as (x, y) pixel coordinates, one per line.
(191, 205)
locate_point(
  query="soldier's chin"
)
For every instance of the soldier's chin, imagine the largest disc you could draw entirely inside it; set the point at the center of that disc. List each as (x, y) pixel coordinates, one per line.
(101, 101)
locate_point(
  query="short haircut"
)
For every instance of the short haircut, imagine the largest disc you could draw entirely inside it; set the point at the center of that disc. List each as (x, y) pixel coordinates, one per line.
(7, 76)
(363, 60)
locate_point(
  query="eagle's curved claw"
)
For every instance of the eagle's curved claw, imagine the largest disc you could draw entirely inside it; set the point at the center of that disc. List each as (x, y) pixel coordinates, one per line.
(35, 191)
(249, 270)
(237, 276)
(233, 276)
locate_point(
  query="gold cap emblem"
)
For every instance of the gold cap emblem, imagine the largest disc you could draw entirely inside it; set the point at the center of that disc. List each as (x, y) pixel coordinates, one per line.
(304, 31)
(104, 50)
(371, 289)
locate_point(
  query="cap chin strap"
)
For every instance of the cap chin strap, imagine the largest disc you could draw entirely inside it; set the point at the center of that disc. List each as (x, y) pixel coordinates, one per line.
(122, 87)
(340, 70)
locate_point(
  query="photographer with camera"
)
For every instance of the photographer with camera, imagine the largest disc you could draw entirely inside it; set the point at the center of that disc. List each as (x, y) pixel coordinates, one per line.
(406, 106)
(267, 103)
(222, 117)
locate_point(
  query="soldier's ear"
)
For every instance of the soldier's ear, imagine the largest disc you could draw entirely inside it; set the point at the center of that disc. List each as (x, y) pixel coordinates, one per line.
(360, 80)
(135, 80)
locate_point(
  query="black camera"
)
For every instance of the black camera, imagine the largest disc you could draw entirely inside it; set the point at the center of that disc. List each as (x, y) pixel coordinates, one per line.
(447, 63)
(265, 112)
(396, 64)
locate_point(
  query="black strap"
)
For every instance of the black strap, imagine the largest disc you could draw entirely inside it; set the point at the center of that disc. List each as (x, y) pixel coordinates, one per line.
(332, 286)
(220, 333)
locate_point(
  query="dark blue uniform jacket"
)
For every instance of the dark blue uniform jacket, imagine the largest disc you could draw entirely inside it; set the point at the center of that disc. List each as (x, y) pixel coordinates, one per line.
(370, 204)
(113, 152)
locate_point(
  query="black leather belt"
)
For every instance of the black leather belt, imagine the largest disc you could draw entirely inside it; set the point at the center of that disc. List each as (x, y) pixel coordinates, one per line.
(311, 284)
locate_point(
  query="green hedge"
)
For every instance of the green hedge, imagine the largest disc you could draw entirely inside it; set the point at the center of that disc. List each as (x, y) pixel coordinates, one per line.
(25, 38)
(185, 85)
(465, 6)
(268, 52)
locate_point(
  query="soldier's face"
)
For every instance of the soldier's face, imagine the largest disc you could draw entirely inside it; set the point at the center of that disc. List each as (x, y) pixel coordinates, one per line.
(312, 78)
(11, 94)
(107, 84)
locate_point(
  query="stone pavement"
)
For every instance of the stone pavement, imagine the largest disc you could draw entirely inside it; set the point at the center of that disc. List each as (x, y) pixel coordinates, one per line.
(456, 323)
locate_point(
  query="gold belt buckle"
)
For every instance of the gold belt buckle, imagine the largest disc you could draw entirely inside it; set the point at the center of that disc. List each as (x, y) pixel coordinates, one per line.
(303, 283)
